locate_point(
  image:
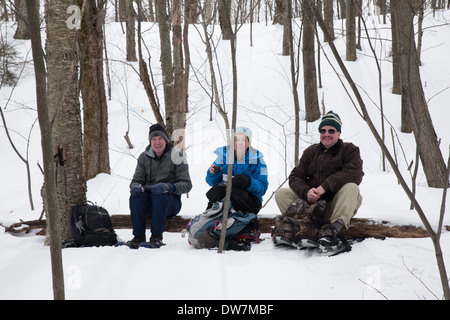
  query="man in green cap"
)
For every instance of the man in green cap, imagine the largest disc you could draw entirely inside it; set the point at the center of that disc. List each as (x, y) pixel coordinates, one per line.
(330, 170)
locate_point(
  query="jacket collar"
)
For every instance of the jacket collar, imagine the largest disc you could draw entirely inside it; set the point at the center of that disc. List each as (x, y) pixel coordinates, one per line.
(333, 149)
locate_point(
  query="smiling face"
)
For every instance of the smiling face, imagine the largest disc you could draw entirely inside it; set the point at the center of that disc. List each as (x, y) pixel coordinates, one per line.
(329, 139)
(241, 144)
(158, 145)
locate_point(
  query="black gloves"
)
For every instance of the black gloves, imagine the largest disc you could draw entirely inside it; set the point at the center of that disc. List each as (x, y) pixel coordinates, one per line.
(241, 181)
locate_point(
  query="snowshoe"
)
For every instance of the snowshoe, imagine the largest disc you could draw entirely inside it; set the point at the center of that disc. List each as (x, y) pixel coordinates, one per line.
(343, 245)
(281, 241)
(154, 244)
(122, 243)
(132, 244)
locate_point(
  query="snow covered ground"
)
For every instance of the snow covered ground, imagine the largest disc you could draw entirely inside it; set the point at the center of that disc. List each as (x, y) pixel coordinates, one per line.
(374, 269)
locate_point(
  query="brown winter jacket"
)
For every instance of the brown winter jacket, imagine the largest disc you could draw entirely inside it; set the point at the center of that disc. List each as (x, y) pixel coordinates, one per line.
(330, 168)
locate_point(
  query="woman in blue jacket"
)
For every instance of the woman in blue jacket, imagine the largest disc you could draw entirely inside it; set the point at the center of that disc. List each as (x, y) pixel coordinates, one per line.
(249, 182)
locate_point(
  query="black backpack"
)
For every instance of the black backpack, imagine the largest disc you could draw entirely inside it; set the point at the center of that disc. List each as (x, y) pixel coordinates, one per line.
(92, 226)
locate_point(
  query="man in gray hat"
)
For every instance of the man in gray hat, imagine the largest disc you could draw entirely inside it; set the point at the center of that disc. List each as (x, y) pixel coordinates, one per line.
(160, 178)
(330, 170)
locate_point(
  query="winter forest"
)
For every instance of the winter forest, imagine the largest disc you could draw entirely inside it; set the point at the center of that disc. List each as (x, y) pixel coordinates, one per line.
(81, 82)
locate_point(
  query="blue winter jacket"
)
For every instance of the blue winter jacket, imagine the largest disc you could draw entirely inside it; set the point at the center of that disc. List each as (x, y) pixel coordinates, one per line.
(254, 167)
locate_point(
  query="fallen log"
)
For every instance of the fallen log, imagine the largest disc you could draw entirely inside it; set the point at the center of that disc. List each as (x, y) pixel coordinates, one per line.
(360, 227)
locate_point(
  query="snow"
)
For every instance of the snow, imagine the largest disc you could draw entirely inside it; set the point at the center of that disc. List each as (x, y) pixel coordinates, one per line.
(374, 269)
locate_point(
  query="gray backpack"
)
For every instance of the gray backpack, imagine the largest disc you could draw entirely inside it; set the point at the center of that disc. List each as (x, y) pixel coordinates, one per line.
(204, 230)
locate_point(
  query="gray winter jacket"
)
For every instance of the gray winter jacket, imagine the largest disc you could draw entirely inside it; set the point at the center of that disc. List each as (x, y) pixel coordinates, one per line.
(172, 168)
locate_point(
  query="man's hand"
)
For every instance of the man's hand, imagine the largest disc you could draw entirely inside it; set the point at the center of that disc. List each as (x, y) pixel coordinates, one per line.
(314, 194)
(161, 188)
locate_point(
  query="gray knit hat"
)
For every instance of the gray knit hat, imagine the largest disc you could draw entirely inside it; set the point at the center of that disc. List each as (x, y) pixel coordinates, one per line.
(158, 130)
(331, 119)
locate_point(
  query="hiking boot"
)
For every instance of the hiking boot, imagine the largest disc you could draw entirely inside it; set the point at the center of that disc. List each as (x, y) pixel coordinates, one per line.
(155, 242)
(136, 241)
(328, 234)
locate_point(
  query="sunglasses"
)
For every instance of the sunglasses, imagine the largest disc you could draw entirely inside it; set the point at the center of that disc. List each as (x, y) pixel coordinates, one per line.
(330, 131)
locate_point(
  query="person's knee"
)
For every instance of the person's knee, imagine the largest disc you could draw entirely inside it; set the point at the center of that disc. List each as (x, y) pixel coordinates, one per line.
(350, 187)
(284, 197)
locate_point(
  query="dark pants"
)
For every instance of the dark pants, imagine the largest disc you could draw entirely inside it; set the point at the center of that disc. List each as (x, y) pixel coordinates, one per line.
(241, 200)
(158, 207)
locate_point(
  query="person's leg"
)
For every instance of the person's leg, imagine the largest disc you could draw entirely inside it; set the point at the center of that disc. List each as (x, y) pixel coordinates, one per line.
(284, 197)
(345, 204)
(215, 194)
(242, 200)
(163, 206)
(140, 208)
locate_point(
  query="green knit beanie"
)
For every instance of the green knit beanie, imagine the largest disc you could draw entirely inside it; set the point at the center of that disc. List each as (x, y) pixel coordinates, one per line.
(331, 119)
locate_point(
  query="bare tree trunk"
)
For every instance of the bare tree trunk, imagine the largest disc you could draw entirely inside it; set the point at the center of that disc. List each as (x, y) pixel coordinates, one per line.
(350, 32)
(131, 32)
(342, 5)
(191, 10)
(397, 84)
(46, 144)
(287, 27)
(208, 8)
(95, 109)
(279, 12)
(224, 19)
(122, 10)
(426, 139)
(328, 18)
(166, 61)
(230, 140)
(64, 109)
(22, 31)
(180, 107)
(309, 64)
(420, 32)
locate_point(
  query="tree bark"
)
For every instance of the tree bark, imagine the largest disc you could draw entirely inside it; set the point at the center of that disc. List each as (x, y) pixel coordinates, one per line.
(224, 9)
(180, 107)
(95, 108)
(131, 32)
(413, 96)
(166, 61)
(309, 64)
(328, 15)
(278, 17)
(22, 31)
(47, 152)
(350, 32)
(397, 85)
(64, 109)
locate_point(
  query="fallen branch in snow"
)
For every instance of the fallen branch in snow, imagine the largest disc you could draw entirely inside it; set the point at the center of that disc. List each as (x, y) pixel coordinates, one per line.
(360, 227)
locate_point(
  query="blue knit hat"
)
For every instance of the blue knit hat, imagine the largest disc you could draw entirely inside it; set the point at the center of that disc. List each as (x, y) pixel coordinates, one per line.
(246, 131)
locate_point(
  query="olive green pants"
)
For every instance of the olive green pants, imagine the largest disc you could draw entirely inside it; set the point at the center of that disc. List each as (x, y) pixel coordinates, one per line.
(344, 204)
